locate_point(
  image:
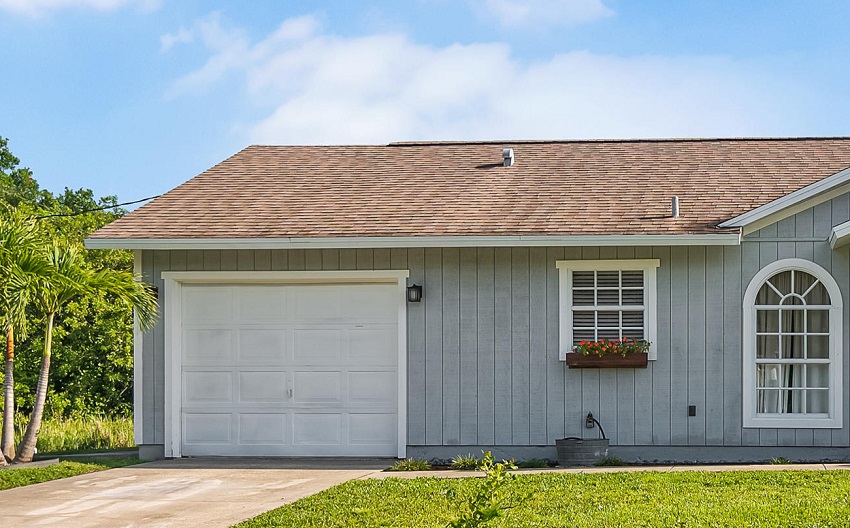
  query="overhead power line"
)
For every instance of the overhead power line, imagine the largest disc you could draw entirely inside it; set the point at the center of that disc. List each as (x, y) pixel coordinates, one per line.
(97, 208)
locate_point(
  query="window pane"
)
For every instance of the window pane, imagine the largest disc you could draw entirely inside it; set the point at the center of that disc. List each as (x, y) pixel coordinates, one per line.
(632, 297)
(792, 376)
(608, 319)
(792, 401)
(767, 295)
(767, 320)
(791, 321)
(817, 401)
(767, 401)
(817, 376)
(767, 346)
(782, 282)
(818, 295)
(802, 282)
(818, 347)
(582, 297)
(767, 375)
(582, 279)
(792, 300)
(607, 279)
(817, 321)
(586, 334)
(586, 319)
(609, 333)
(632, 279)
(634, 333)
(633, 319)
(608, 297)
(792, 347)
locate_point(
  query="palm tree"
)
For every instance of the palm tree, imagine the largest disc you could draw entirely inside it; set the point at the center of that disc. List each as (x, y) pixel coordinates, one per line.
(19, 263)
(70, 278)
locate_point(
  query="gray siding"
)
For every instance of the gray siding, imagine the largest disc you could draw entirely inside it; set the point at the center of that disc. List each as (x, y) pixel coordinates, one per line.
(483, 364)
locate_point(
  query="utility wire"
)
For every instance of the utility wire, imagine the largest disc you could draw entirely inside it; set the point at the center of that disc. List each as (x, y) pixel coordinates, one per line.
(98, 208)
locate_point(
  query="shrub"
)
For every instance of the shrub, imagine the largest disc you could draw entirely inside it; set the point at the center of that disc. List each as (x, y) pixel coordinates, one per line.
(534, 463)
(489, 502)
(410, 464)
(464, 462)
(779, 460)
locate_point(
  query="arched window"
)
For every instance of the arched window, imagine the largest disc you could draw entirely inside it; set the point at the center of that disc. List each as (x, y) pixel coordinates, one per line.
(792, 347)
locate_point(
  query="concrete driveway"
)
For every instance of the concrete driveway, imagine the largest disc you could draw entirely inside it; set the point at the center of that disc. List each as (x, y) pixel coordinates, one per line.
(176, 493)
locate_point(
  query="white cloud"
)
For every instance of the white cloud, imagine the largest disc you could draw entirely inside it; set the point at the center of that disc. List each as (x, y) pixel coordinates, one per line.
(312, 87)
(40, 7)
(544, 13)
(182, 36)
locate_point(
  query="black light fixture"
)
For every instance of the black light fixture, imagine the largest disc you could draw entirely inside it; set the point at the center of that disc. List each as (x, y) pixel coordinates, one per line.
(414, 293)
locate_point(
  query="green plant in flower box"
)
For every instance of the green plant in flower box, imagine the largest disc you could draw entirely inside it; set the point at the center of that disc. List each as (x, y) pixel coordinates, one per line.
(604, 347)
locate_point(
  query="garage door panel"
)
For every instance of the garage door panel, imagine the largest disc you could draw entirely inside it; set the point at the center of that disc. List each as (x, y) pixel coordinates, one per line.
(207, 428)
(259, 304)
(373, 345)
(317, 345)
(312, 387)
(262, 429)
(372, 428)
(207, 387)
(262, 387)
(369, 302)
(208, 304)
(316, 302)
(374, 388)
(317, 428)
(266, 347)
(204, 346)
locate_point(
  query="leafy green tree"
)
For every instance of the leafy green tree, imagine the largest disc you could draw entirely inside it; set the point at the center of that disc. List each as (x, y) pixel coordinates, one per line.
(70, 278)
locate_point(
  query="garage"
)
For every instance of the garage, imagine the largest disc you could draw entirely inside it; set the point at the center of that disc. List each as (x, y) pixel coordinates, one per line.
(286, 369)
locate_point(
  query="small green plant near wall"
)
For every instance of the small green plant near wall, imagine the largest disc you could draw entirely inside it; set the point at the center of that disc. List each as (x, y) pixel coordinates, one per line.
(609, 461)
(410, 464)
(489, 501)
(779, 461)
(465, 462)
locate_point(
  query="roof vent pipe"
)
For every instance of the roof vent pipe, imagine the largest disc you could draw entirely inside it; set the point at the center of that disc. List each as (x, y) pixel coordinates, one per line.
(674, 207)
(508, 156)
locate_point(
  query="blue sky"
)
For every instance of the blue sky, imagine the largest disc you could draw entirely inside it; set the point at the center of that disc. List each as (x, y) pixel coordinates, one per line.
(133, 97)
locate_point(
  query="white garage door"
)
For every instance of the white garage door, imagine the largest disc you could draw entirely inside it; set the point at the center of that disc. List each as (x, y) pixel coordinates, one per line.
(289, 370)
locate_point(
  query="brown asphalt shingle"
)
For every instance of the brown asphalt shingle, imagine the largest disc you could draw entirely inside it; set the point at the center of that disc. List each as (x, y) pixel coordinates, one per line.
(462, 189)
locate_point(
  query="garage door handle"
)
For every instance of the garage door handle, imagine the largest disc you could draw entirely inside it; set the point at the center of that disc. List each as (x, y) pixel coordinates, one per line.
(290, 393)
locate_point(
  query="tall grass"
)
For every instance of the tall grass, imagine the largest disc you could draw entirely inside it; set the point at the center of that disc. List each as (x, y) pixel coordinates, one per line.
(80, 434)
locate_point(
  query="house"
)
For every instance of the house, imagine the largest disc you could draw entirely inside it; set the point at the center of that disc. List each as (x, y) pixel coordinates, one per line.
(285, 328)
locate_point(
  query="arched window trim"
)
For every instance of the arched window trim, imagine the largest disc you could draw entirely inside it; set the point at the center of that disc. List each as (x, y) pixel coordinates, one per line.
(750, 417)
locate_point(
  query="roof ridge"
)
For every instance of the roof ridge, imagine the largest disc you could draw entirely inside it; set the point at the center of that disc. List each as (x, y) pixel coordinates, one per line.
(624, 140)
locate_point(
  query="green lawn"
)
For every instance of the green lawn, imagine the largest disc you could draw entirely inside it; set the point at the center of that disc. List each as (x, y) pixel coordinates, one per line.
(23, 476)
(692, 499)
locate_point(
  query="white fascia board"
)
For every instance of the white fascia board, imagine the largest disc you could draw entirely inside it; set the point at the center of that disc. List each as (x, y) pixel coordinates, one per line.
(713, 239)
(840, 235)
(790, 204)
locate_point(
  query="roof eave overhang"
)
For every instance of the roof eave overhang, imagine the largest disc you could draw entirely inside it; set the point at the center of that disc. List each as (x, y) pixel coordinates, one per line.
(723, 238)
(791, 204)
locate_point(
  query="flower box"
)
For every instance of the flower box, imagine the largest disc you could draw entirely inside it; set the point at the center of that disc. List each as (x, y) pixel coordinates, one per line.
(632, 360)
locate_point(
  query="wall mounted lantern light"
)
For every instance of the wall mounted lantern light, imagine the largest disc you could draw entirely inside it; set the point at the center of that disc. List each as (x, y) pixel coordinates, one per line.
(414, 293)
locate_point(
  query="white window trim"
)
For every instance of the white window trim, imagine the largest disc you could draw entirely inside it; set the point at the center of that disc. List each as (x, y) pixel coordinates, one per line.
(174, 281)
(750, 417)
(565, 276)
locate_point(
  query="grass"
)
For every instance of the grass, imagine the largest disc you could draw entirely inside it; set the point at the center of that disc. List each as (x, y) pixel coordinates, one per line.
(692, 499)
(24, 476)
(609, 461)
(534, 463)
(73, 435)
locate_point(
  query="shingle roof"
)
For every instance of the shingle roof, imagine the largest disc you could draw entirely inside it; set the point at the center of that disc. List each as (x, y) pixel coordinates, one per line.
(462, 189)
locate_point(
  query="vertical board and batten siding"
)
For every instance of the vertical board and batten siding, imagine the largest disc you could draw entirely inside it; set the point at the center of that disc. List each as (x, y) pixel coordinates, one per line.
(483, 363)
